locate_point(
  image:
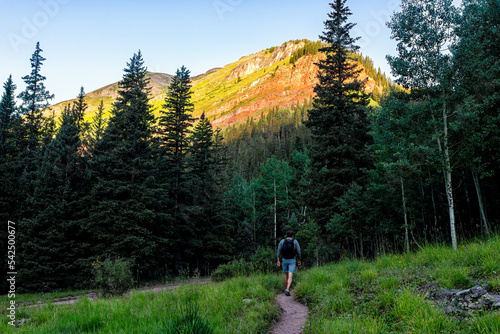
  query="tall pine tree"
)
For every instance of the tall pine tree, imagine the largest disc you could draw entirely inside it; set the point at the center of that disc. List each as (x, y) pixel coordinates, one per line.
(204, 167)
(174, 129)
(34, 99)
(54, 249)
(124, 197)
(9, 159)
(33, 131)
(338, 120)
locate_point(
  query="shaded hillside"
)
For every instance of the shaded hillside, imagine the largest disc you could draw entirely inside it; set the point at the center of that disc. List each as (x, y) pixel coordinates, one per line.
(278, 77)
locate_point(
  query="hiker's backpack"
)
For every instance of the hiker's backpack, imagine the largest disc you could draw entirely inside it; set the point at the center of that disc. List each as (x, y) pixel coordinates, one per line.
(288, 249)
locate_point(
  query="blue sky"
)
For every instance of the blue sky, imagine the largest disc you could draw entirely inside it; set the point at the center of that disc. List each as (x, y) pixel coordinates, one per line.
(89, 42)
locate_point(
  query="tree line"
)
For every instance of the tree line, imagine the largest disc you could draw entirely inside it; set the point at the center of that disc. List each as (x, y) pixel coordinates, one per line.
(172, 194)
(134, 186)
(421, 168)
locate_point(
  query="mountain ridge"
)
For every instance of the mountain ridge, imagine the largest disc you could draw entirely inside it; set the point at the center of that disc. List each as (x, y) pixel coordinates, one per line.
(277, 77)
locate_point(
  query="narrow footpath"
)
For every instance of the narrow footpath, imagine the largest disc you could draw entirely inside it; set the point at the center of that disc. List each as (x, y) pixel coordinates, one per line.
(293, 317)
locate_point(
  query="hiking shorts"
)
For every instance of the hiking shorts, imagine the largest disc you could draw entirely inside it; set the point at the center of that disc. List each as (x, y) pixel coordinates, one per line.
(288, 265)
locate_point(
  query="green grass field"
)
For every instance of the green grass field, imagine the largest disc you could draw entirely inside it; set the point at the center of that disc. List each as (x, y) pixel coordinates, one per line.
(378, 296)
(241, 305)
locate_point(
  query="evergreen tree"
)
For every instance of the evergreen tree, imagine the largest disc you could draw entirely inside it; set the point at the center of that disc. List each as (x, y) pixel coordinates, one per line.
(8, 110)
(34, 99)
(125, 197)
(338, 120)
(35, 129)
(174, 129)
(98, 124)
(54, 249)
(79, 109)
(201, 159)
(9, 155)
(204, 169)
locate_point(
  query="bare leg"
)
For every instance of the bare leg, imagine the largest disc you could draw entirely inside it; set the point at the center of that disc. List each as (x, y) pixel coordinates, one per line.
(289, 283)
(286, 281)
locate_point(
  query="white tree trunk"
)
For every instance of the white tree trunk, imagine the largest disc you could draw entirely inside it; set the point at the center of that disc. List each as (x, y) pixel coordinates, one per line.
(445, 153)
(407, 238)
(448, 180)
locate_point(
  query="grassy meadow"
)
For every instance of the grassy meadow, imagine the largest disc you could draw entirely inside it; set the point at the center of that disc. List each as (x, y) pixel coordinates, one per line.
(240, 305)
(381, 296)
(352, 296)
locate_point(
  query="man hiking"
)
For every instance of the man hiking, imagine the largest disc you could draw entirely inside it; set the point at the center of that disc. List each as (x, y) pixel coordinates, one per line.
(288, 249)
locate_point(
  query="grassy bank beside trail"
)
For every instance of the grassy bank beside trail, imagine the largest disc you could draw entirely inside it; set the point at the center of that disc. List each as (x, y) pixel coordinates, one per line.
(381, 296)
(239, 305)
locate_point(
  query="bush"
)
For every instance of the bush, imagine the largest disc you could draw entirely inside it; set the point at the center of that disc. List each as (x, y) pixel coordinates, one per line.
(112, 277)
(232, 269)
(262, 262)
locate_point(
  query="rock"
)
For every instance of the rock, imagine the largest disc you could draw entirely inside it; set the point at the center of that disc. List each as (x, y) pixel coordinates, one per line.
(248, 301)
(20, 322)
(474, 292)
(461, 302)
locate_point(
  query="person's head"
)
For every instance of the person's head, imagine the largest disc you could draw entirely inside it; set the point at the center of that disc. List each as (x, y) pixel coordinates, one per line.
(290, 234)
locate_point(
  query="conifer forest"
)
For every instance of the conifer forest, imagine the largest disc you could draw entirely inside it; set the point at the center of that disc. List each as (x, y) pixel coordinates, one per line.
(171, 194)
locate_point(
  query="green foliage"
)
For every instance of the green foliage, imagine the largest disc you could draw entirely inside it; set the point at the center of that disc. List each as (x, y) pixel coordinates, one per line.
(112, 277)
(277, 133)
(124, 199)
(236, 268)
(310, 48)
(338, 122)
(34, 98)
(10, 163)
(53, 203)
(262, 262)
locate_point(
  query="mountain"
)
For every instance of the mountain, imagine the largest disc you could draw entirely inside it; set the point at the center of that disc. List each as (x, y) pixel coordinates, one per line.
(277, 77)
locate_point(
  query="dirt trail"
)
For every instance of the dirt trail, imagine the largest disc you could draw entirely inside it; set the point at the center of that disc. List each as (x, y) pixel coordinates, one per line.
(293, 318)
(93, 296)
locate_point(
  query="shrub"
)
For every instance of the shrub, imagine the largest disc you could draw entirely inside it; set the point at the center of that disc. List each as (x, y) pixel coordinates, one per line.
(112, 277)
(262, 262)
(232, 269)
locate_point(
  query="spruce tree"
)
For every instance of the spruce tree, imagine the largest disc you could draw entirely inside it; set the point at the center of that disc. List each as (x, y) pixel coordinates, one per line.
(10, 195)
(53, 245)
(35, 129)
(35, 98)
(201, 158)
(201, 184)
(337, 120)
(79, 109)
(8, 110)
(174, 128)
(124, 195)
(9, 157)
(204, 169)
(98, 124)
